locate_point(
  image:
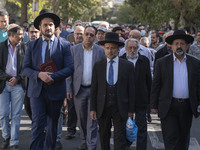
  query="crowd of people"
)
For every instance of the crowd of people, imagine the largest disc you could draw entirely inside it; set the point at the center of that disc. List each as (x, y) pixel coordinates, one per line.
(98, 76)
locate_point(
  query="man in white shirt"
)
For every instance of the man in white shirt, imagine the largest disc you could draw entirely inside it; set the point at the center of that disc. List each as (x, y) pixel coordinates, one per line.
(175, 91)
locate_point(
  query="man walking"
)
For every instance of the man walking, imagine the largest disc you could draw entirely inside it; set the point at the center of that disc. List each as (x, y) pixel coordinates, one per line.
(85, 55)
(11, 86)
(175, 91)
(112, 93)
(47, 89)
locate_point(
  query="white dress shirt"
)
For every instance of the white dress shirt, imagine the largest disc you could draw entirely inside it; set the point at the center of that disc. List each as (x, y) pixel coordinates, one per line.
(180, 84)
(87, 67)
(134, 60)
(11, 66)
(115, 68)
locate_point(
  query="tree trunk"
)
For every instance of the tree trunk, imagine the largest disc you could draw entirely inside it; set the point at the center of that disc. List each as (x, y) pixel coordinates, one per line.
(24, 4)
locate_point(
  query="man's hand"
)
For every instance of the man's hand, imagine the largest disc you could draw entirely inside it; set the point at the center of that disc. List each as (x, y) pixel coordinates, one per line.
(69, 95)
(45, 77)
(13, 81)
(93, 115)
(154, 111)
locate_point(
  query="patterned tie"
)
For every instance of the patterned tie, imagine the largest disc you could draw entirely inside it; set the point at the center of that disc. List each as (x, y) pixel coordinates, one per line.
(47, 51)
(111, 73)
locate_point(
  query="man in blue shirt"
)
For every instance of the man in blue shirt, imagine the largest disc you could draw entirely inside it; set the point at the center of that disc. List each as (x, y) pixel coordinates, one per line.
(4, 22)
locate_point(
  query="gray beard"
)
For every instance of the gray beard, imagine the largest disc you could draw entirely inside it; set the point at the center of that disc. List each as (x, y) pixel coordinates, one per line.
(180, 53)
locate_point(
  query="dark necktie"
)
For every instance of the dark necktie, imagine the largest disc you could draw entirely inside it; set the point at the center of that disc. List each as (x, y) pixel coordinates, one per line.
(111, 73)
(47, 51)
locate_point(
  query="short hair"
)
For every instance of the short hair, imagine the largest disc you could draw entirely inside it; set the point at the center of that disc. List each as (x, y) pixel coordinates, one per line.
(91, 27)
(14, 30)
(133, 40)
(30, 25)
(157, 35)
(144, 39)
(3, 12)
(78, 21)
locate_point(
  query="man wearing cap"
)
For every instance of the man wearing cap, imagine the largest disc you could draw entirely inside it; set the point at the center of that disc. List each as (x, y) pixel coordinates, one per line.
(175, 91)
(112, 93)
(47, 90)
(101, 32)
(4, 23)
(11, 86)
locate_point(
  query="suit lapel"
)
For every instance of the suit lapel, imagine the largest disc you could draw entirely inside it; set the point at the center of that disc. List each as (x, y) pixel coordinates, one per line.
(103, 71)
(94, 55)
(171, 69)
(81, 56)
(54, 46)
(189, 65)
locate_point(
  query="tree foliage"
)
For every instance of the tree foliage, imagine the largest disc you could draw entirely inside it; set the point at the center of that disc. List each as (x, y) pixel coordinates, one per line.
(156, 12)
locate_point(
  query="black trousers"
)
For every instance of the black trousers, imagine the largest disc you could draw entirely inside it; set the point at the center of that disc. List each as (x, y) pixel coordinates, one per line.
(112, 115)
(176, 125)
(72, 117)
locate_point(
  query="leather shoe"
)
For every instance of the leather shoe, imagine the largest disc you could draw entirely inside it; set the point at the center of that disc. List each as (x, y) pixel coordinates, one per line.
(58, 145)
(83, 146)
(69, 136)
(14, 147)
(5, 143)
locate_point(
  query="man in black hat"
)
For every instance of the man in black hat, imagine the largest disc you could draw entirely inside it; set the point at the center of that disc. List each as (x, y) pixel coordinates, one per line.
(112, 93)
(47, 89)
(175, 91)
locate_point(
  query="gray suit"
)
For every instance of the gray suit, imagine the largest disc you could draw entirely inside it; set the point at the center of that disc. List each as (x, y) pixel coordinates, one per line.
(81, 95)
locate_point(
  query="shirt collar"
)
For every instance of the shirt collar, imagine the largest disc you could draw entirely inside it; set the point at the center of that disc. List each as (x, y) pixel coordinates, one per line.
(86, 49)
(52, 38)
(9, 44)
(116, 59)
(175, 58)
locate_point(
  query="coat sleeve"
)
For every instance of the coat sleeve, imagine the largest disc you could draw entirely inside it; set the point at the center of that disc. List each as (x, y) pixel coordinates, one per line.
(156, 86)
(131, 105)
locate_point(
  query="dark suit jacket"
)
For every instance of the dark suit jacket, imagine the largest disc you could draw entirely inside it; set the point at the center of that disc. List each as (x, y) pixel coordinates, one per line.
(143, 80)
(161, 52)
(162, 85)
(62, 58)
(125, 88)
(3, 62)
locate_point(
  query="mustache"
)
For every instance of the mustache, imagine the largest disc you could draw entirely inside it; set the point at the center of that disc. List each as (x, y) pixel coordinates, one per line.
(179, 49)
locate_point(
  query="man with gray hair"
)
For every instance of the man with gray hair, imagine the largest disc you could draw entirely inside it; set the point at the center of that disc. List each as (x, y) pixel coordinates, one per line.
(142, 76)
(4, 23)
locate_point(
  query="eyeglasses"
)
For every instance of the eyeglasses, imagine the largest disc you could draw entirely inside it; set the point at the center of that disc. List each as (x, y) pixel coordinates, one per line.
(92, 35)
(78, 33)
(33, 32)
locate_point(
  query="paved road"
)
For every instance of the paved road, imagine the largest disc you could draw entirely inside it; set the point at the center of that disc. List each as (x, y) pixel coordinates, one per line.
(155, 141)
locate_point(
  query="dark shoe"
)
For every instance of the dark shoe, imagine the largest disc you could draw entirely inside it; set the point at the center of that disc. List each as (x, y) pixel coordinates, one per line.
(58, 145)
(149, 118)
(14, 147)
(5, 143)
(69, 136)
(83, 146)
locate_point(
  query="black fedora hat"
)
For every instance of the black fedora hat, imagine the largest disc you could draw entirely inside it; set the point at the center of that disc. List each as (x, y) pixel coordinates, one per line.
(46, 13)
(111, 37)
(179, 34)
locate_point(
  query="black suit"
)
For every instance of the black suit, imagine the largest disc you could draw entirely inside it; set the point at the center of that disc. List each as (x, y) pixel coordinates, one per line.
(143, 79)
(161, 99)
(124, 102)
(3, 62)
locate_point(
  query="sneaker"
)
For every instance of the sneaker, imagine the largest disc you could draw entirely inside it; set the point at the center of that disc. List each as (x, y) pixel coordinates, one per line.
(5, 143)
(58, 145)
(14, 147)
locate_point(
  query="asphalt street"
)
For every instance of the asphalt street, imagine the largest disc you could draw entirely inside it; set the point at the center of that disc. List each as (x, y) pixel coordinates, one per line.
(155, 141)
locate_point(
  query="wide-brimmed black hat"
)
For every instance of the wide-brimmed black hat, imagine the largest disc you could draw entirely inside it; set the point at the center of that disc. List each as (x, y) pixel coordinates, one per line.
(111, 37)
(46, 13)
(179, 34)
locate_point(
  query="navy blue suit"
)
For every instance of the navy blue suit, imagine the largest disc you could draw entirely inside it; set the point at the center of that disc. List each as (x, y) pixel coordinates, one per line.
(46, 101)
